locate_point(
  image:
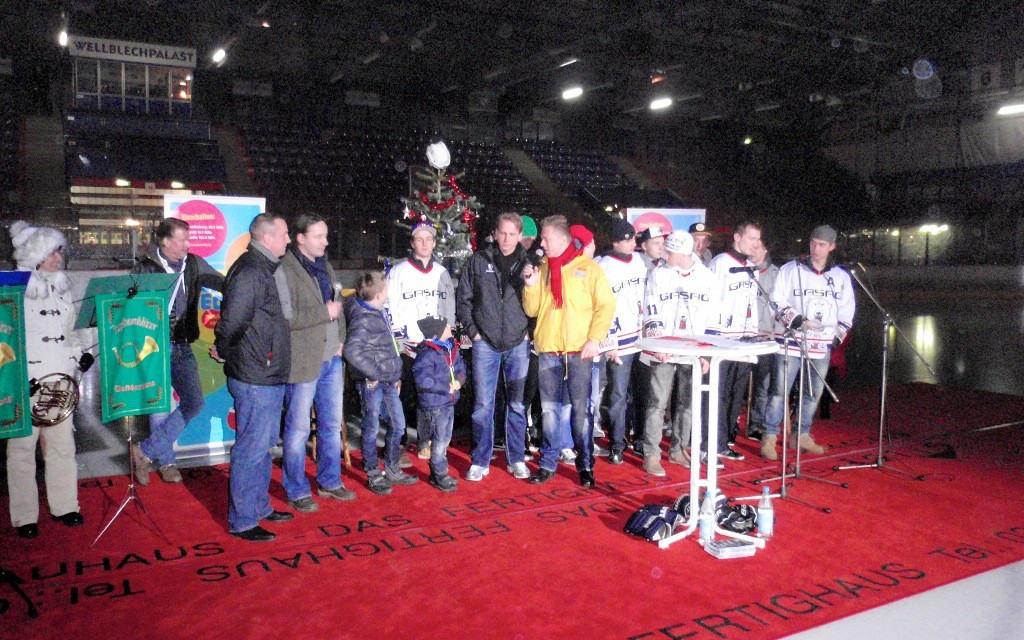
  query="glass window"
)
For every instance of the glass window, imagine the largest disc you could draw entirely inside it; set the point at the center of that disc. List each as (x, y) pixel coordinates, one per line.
(110, 78)
(86, 70)
(181, 84)
(158, 83)
(135, 80)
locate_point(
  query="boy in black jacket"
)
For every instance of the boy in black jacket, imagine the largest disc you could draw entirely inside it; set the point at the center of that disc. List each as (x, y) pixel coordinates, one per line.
(439, 372)
(375, 363)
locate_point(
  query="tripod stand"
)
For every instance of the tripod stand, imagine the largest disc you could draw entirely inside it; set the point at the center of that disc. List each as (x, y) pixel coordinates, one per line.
(132, 495)
(887, 323)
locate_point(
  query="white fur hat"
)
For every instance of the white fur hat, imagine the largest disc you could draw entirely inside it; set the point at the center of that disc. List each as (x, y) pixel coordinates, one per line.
(32, 245)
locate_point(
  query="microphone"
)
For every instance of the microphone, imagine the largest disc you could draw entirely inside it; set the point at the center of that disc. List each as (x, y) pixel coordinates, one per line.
(741, 269)
(337, 286)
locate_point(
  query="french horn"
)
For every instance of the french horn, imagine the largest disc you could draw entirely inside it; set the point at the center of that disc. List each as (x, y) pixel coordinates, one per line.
(54, 399)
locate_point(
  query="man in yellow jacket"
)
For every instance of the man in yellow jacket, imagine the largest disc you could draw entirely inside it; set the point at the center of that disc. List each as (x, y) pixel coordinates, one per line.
(573, 303)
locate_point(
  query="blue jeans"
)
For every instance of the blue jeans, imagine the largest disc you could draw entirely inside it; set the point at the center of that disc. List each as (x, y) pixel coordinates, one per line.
(814, 384)
(382, 395)
(257, 423)
(620, 400)
(488, 362)
(763, 371)
(437, 424)
(325, 393)
(565, 379)
(164, 428)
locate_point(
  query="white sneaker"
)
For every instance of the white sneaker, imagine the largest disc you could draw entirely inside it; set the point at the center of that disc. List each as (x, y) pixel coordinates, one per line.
(476, 474)
(598, 431)
(568, 456)
(519, 470)
(600, 451)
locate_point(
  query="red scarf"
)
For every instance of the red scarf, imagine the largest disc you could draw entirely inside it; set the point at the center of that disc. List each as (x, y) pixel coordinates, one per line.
(555, 268)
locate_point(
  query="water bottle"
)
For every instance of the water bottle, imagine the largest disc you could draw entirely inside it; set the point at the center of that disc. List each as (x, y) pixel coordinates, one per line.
(765, 515)
(706, 518)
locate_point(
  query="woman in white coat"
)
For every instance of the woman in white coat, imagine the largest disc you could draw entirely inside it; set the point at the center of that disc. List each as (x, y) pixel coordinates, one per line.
(52, 347)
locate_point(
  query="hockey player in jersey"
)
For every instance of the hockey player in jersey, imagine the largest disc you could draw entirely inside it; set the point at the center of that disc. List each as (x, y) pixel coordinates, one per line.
(682, 299)
(627, 275)
(738, 320)
(816, 300)
(418, 288)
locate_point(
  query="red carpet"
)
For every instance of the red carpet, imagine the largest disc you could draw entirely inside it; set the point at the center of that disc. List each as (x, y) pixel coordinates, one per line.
(506, 559)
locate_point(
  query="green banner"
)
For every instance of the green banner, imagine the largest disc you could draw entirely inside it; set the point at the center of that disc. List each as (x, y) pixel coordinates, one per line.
(135, 360)
(15, 416)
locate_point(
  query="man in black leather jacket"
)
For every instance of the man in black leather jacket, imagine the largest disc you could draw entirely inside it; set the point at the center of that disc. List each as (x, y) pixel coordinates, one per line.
(253, 340)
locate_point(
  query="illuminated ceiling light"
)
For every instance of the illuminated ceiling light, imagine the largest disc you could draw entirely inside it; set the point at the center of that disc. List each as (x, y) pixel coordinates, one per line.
(766, 107)
(661, 103)
(131, 222)
(657, 76)
(709, 118)
(748, 140)
(62, 38)
(568, 62)
(265, 24)
(572, 93)
(183, 94)
(1010, 110)
(189, 78)
(182, 83)
(121, 182)
(370, 58)
(219, 55)
(177, 185)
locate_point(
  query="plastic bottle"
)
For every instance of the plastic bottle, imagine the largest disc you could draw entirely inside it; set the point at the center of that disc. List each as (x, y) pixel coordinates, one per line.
(765, 515)
(706, 518)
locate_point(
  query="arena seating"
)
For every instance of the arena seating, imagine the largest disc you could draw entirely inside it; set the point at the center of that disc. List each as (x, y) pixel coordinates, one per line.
(10, 141)
(91, 156)
(574, 169)
(356, 172)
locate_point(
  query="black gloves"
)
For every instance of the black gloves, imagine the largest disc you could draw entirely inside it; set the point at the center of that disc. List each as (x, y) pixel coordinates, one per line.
(85, 361)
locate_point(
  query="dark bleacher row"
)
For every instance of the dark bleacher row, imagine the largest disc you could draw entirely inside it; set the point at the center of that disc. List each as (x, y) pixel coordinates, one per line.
(91, 156)
(573, 169)
(10, 142)
(362, 172)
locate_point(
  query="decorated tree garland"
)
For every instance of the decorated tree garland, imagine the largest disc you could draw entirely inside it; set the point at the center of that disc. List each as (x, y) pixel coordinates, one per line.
(442, 203)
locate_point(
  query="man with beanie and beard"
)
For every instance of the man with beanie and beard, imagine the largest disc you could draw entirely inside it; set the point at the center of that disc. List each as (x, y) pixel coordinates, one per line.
(169, 254)
(573, 303)
(51, 347)
(816, 301)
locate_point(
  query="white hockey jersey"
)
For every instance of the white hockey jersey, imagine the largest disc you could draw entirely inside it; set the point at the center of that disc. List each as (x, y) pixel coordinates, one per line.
(414, 294)
(738, 294)
(827, 297)
(680, 303)
(627, 279)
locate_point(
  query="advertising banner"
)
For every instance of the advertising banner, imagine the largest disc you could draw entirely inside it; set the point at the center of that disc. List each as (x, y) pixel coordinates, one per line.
(668, 219)
(218, 233)
(127, 51)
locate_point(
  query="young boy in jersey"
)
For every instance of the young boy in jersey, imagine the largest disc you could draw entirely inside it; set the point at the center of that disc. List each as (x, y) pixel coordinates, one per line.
(374, 361)
(440, 372)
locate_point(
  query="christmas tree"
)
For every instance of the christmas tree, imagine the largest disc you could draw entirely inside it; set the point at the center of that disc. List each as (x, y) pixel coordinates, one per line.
(439, 201)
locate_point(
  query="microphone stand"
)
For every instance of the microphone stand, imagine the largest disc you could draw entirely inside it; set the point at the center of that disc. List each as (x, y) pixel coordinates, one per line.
(887, 322)
(788, 335)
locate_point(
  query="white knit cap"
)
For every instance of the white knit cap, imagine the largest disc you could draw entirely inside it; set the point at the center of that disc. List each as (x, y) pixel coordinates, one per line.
(32, 245)
(679, 242)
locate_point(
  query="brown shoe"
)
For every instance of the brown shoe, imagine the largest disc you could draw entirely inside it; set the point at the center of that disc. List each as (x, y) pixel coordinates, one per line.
(404, 461)
(679, 457)
(170, 474)
(768, 447)
(808, 444)
(142, 465)
(652, 465)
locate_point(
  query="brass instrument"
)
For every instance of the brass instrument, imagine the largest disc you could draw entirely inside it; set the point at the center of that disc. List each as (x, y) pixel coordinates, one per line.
(54, 399)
